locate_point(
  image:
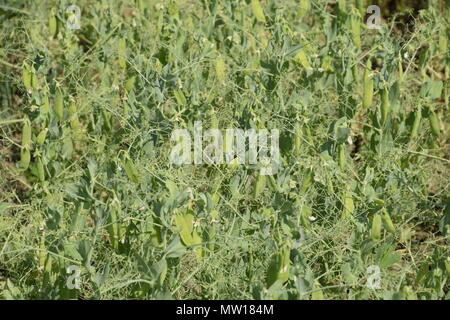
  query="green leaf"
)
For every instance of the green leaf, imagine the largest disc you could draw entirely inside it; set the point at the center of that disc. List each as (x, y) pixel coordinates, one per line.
(349, 277)
(179, 96)
(184, 223)
(71, 250)
(131, 171)
(389, 259)
(258, 11)
(175, 249)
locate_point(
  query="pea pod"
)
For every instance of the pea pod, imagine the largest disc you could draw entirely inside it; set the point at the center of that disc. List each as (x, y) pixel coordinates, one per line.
(368, 86)
(260, 185)
(47, 269)
(305, 213)
(307, 182)
(376, 227)
(59, 105)
(297, 139)
(52, 24)
(214, 120)
(26, 135)
(34, 80)
(416, 124)
(447, 266)
(121, 229)
(446, 87)
(356, 28)
(387, 222)
(107, 121)
(272, 183)
(220, 69)
(40, 170)
(342, 157)
(434, 124)
(41, 255)
(26, 76)
(24, 158)
(122, 51)
(40, 139)
(400, 69)
(45, 106)
(112, 228)
(348, 205)
(384, 106)
(211, 236)
(443, 40)
(360, 6)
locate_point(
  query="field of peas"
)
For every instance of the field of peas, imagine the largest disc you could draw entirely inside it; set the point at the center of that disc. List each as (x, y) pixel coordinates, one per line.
(99, 99)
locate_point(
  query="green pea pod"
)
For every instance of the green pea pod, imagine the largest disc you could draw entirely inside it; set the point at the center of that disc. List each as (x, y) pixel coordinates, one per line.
(211, 237)
(26, 135)
(107, 119)
(384, 106)
(387, 222)
(416, 124)
(52, 24)
(307, 182)
(348, 205)
(447, 267)
(40, 170)
(368, 86)
(376, 227)
(260, 185)
(45, 106)
(59, 105)
(220, 69)
(41, 254)
(121, 229)
(356, 28)
(443, 40)
(434, 124)
(112, 228)
(34, 80)
(298, 139)
(400, 69)
(74, 122)
(26, 76)
(305, 213)
(40, 139)
(342, 157)
(122, 51)
(24, 158)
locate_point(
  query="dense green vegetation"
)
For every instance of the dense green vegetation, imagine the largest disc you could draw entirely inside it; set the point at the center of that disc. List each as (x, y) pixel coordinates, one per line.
(86, 118)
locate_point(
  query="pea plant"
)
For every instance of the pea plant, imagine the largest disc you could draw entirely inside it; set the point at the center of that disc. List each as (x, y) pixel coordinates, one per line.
(213, 149)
